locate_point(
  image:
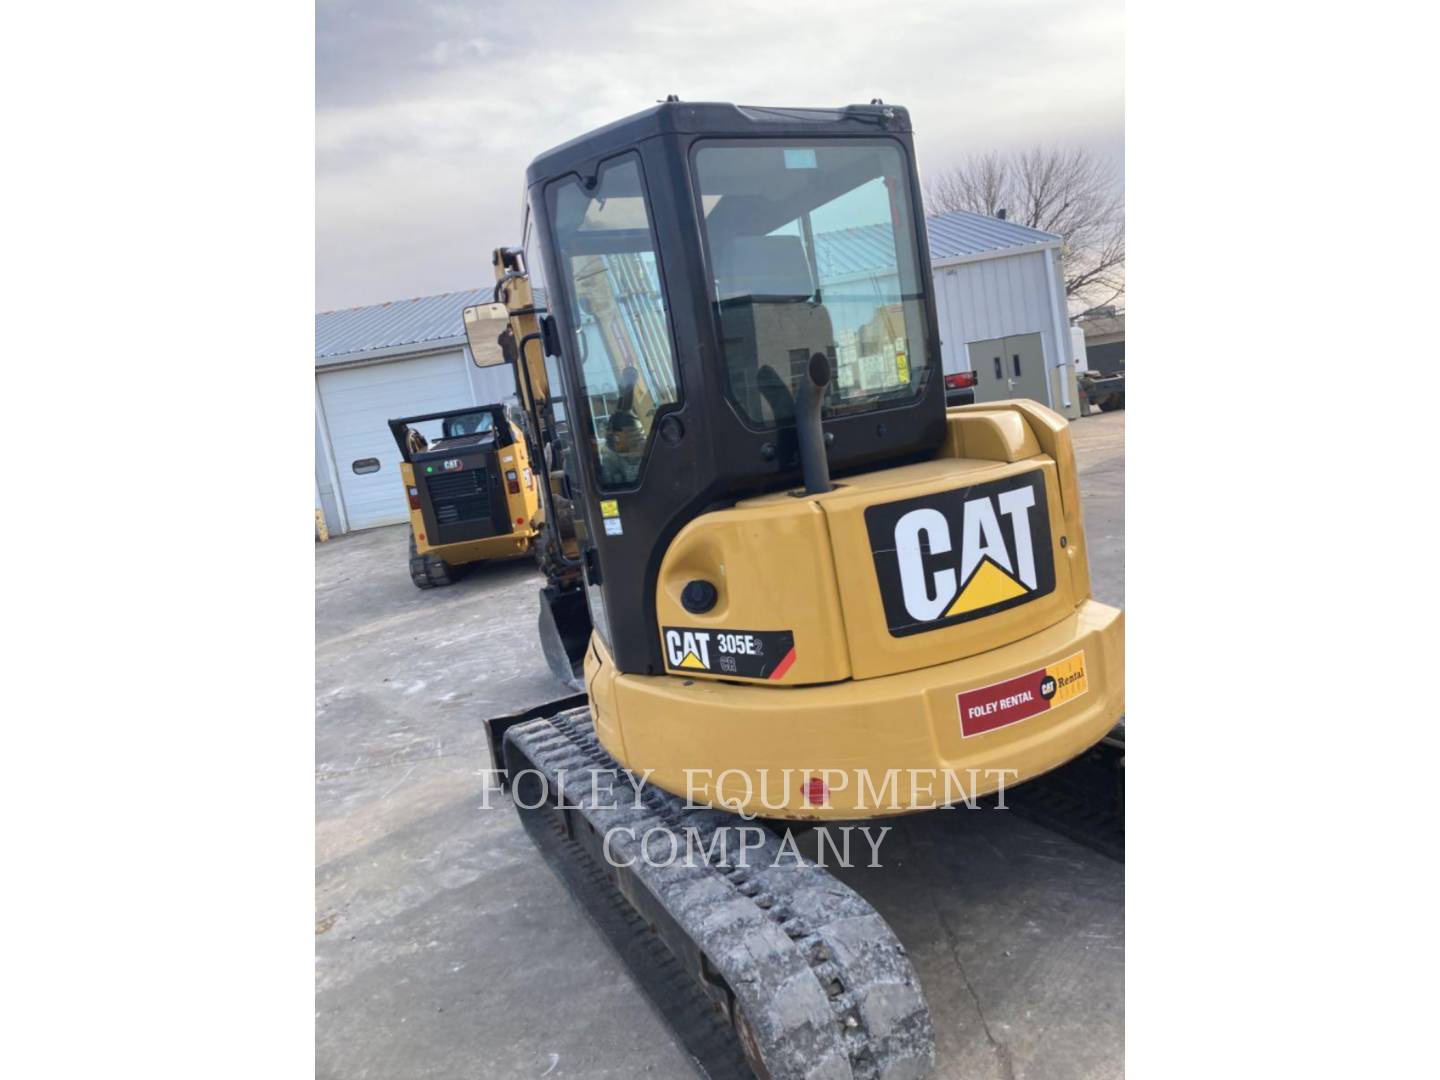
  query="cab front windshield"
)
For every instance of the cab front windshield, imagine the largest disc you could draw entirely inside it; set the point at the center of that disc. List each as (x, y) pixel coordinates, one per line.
(811, 248)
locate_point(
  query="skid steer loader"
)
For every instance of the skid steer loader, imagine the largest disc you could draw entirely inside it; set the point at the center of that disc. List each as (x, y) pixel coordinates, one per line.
(472, 493)
(789, 581)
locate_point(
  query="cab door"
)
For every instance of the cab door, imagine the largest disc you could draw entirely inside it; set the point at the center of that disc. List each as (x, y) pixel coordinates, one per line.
(621, 385)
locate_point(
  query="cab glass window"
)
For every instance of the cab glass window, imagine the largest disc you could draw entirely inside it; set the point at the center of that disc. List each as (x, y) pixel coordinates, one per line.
(618, 311)
(476, 423)
(811, 248)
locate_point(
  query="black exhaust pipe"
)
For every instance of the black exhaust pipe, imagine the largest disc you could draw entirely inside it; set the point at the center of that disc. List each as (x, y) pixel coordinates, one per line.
(811, 436)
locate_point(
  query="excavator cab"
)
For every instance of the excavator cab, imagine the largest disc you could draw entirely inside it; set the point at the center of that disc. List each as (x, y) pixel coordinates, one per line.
(697, 257)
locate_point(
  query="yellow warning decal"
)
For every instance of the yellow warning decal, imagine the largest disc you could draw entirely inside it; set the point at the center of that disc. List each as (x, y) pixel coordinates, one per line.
(902, 367)
(988, 585)
(609, 507)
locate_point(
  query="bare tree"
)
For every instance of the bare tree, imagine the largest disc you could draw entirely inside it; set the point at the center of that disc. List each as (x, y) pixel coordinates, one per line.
(1070, 193)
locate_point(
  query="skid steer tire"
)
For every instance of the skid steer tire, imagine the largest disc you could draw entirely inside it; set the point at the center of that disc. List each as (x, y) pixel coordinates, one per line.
(1113, 403)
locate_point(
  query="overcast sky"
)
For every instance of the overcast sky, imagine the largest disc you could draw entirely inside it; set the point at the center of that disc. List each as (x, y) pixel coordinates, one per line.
(427, 112)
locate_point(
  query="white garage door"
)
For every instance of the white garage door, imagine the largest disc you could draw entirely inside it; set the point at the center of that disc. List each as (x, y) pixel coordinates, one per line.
(358, 401)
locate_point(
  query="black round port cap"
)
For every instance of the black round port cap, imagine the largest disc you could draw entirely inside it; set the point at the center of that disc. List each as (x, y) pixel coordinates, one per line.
(699, 597)
(672, 430)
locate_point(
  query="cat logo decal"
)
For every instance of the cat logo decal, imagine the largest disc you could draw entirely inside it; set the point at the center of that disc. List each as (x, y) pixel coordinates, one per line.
(958, 555)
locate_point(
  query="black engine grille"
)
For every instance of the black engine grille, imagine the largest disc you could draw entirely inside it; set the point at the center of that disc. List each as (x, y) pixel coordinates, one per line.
(461, 496)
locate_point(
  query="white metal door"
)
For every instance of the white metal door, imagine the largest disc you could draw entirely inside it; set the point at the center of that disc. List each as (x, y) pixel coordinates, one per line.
(987, 360)
(1025, 368)
(358, 401)
(1009, 367)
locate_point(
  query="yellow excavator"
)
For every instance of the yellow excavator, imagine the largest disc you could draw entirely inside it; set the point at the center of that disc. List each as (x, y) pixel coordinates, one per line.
(793, 587)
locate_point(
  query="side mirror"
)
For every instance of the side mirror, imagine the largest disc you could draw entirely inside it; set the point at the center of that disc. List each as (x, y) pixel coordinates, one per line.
(483, 324)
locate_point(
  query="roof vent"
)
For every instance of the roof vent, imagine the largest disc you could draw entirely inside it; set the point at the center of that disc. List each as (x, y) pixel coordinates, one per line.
(1001, 213)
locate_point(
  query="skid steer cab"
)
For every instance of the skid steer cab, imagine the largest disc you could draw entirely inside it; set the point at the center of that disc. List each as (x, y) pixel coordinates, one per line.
(470, 487)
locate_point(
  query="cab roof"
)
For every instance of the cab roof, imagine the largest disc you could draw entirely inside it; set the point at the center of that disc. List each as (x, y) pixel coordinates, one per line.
(718, 119)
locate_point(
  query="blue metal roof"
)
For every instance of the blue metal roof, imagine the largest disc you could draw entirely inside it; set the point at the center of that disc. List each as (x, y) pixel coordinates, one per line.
(401, 326)
(847, 252)
(860, 250)
(398, 325)
(961, 233)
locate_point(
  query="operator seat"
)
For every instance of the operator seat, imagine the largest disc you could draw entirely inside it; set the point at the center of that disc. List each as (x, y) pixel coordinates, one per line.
(768, 317)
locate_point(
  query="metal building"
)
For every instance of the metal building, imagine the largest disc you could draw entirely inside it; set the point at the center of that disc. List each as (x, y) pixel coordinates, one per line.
(372, 363)
(1000, 297)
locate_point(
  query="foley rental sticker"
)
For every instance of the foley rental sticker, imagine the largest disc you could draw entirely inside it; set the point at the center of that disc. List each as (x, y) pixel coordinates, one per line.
(1007, 702)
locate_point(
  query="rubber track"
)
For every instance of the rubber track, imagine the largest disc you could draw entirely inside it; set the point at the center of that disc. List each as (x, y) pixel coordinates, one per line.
(826, 987)
(1083, 800)
(700, 1026)
(427, 571)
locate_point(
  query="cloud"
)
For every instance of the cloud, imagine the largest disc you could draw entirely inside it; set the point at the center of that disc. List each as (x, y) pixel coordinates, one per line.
(428, 112)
